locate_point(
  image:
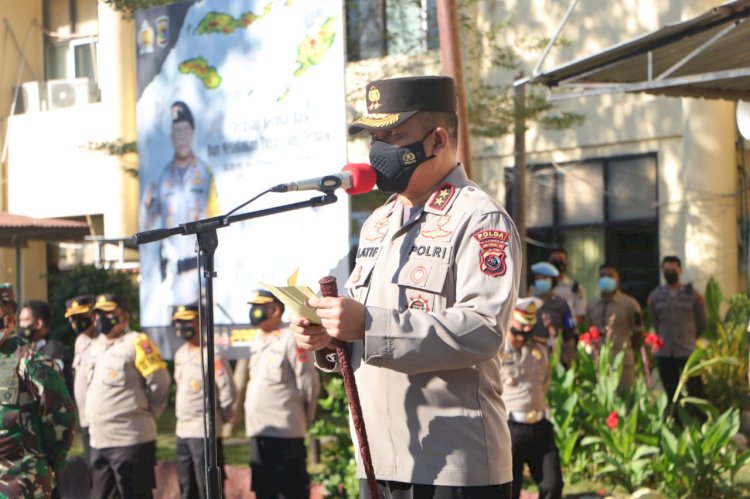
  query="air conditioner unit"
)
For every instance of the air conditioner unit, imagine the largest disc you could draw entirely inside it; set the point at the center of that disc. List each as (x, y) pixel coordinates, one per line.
(32, 97)
(67, 93)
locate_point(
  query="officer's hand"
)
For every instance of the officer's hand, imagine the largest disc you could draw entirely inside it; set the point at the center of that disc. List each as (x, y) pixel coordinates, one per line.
(309, 336)
(342, 318)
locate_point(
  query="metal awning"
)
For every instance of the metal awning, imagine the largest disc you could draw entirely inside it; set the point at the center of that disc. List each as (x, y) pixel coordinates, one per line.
(19, 228)
(707, 56)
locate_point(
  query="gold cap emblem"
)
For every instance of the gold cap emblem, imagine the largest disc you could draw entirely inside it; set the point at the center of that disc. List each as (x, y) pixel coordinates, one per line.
(373, 95)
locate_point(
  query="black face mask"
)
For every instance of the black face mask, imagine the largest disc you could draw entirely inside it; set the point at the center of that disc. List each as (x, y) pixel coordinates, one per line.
(519, 332)
(671, 277)
(81, 323)
(559, 265)
(185, 331)
(394, 165)
(26, 332)
(105, 323)
(258, 314)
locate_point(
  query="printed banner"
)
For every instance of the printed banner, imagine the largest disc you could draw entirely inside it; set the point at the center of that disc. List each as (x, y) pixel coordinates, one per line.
(234, 97)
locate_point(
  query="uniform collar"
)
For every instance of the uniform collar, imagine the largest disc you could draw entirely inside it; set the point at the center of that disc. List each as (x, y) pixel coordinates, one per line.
(446, 191)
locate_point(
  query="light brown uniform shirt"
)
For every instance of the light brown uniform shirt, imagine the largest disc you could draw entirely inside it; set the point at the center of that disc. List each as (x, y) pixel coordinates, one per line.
(283, 389)
(525, 376)
(189, 399)
(81, 352)
(624, 312)
(438, 292)
(128, 390)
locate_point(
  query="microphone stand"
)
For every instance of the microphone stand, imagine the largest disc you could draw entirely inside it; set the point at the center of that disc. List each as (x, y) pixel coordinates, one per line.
(207, 240)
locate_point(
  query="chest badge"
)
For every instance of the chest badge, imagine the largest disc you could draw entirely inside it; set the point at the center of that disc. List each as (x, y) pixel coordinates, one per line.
(419, 302)
(378, 230)
(439, 228)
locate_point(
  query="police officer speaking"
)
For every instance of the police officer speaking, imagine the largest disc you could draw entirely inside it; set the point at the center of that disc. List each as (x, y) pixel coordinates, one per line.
(433, 290)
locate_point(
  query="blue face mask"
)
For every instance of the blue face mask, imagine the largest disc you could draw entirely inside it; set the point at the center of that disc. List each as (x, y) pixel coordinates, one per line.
(543, 285)
(607, 284)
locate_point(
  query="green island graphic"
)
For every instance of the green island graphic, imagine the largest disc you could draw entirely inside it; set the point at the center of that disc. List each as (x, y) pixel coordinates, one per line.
(200, 68)
(313, 48)
(225, 24)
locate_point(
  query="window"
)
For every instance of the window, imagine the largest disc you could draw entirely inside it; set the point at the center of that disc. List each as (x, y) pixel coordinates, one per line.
(601, 210)
(72, 30)
(376, 28)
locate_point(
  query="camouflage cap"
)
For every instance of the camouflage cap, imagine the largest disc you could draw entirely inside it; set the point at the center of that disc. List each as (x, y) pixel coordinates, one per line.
(6, 292)
(185, 312)
(108, 302)
(81, 304)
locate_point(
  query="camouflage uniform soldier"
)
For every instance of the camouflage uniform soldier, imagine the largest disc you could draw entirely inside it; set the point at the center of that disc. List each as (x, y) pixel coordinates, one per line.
(37, 414)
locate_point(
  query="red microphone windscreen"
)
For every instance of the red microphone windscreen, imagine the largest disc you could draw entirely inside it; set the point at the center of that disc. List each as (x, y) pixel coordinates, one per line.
(363, 178)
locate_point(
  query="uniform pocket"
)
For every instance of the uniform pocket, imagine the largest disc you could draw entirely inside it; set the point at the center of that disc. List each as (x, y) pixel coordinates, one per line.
(360, 279)
(422, 285)
(113, 372)
(273, 367)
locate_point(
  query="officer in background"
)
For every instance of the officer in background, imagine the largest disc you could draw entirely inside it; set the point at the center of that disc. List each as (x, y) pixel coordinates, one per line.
(618, 317)
(128, 389)
(79, 311)
(678, 315)
(185, 192)
(525, 375)
(568, 288)
(37, 413)
(33, 321)
(280, 404)
(554, 317)
(190, 401)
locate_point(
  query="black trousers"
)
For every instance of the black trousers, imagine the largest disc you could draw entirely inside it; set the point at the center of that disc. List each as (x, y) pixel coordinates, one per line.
(534, 444)
(400, 490)
(670, 369)
(123, 472)
(191, 466)
(278, 468)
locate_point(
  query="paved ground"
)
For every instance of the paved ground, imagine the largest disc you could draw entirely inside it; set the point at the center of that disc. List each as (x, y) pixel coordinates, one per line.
(74, 482)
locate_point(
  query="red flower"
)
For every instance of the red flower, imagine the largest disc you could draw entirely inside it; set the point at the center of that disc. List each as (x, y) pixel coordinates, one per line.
(585, 338)
(654, 341)
(595, 334)
(613, 419)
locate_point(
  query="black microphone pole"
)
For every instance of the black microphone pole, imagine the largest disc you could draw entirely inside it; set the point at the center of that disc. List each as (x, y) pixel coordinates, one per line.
(207, 240)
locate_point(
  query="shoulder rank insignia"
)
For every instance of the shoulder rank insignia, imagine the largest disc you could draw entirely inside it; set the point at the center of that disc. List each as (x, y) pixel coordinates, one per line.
(440, 199)
(492, 243)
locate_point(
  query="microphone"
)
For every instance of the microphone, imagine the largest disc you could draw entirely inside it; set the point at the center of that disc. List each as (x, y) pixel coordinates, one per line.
(355, 178)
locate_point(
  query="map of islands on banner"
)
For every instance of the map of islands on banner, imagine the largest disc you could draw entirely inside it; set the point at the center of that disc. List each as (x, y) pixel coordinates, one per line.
(234, 97)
